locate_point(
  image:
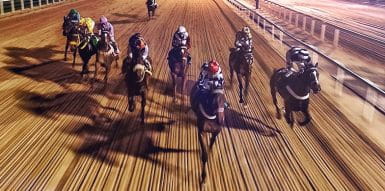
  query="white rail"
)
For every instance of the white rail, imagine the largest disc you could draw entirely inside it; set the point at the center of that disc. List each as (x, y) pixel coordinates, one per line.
(363, 88)
(11, 6)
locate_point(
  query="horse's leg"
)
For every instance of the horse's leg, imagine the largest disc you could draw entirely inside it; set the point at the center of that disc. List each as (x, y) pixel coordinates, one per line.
(212, 139)
(108, 65)
(273, 92)
(231, 76)
(289, 114)
(65, 50)
(183, 85)
(204, 156)
(73, 63)
(143, 106)
(305, 111)
(96, 67)
(174, 86)
(247, 84)
(131, 103)
(239, 77)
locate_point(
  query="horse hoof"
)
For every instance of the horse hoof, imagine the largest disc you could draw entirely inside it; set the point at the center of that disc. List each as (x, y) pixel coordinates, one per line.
(278, 116)
(241, 101)
(245, 106)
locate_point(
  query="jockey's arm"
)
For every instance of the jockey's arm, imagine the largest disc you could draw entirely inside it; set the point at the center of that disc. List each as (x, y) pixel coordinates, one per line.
(112, 32)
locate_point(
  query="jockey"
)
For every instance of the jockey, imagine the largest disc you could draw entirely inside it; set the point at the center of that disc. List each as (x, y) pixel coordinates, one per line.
(88, 24)
(298, 56)
(243, 41)
(211, 76)
(182, 39)
(138, 46)
(74, 16)
(105, 26)
(152, 3)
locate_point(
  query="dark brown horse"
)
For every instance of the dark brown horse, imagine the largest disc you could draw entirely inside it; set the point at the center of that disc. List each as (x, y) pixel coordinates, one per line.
(295, 90)
(137, 81)
(151, 7)
(105, 56)
(241, 63)
(72, 32)
(177, 62)
(209, 110)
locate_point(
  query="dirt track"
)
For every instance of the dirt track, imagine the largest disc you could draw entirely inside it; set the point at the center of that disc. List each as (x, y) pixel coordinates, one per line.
(58, 133)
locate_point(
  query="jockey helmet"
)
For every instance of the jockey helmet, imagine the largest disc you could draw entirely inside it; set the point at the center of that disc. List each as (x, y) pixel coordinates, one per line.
(103, 20)
(213, 66)
(182, 29)
(300, 56)
(246, 30)
(73, 11)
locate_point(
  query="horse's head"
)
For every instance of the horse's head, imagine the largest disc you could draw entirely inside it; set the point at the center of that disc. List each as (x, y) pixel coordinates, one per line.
(182, 57)
(216, 105)
(139, 70)
(311, 76)
(104, 42)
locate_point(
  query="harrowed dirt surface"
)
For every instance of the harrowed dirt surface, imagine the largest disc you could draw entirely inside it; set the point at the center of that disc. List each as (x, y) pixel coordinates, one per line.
(58, 132)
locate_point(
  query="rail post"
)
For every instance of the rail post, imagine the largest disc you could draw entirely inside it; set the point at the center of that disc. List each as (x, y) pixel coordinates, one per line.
(12, 5)
(312, 27)
(22, 4)
(284, 14)
(31, 3)
(281, 37)
(296, 20)
(323, 29)
(336, 37)
(264, 25)
(39, 3)
(290, 16)
(258, 21)
(1, 7)
(272, 32)
(304, 23)
(368, 109)
(339, 81)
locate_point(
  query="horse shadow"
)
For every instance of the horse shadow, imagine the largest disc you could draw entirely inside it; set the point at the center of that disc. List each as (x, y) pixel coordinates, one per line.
(49, 106)
(101, 141)
(241, 121)
(21, 64)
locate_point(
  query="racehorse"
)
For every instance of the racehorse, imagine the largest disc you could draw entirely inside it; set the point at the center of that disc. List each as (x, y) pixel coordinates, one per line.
(87, 48)
(241, 63)
(71, 31)
(137, 81)
(177, 62)
(105, 56)
(295, 90)
(151, 7)
(209, 110)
